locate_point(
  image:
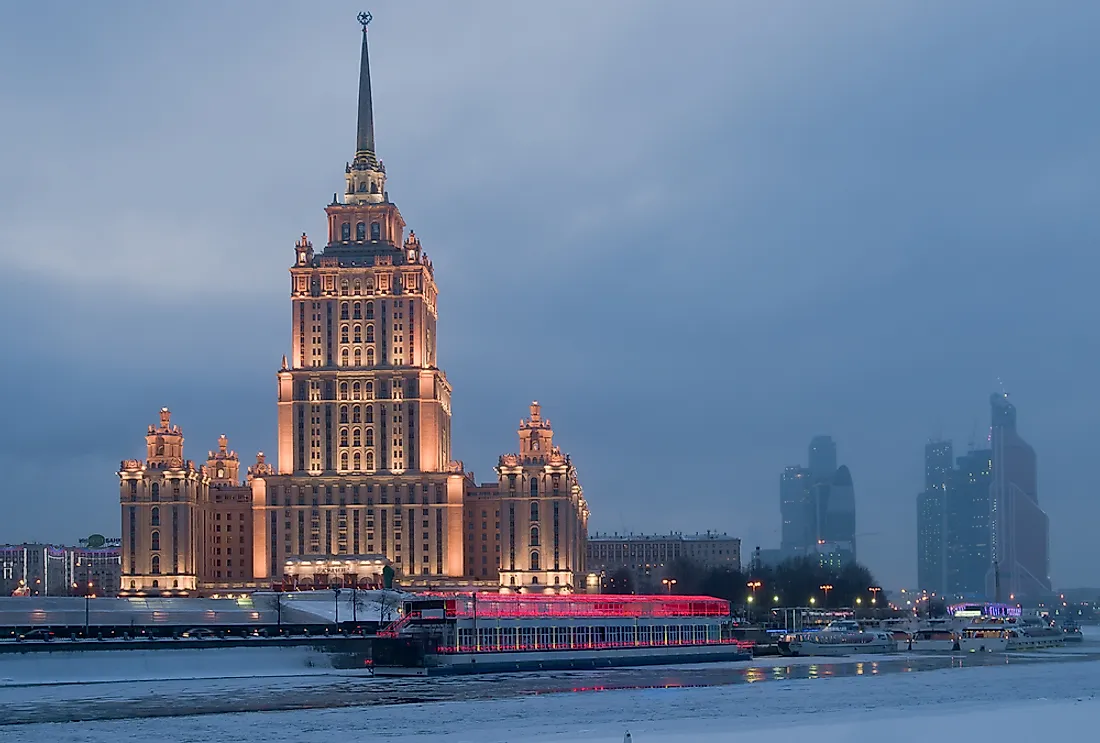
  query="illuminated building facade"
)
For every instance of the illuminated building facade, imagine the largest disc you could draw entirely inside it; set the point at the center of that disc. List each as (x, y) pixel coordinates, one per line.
(538, 516)
(364, 475)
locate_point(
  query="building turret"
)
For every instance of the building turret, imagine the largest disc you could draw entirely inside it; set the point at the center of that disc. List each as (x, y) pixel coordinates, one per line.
(164, 443)
(223, 467)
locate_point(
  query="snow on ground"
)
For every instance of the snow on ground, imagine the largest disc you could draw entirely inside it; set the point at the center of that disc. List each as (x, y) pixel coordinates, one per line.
(361, 605)
(1027, 701)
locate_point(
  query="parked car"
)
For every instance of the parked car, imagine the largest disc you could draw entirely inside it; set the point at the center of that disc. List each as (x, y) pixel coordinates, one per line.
(198, 632)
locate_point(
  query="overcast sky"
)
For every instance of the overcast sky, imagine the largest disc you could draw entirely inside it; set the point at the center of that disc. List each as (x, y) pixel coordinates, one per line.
(699, 233)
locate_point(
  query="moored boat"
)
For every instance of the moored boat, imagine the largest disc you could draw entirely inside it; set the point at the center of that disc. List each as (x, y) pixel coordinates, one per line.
(1071, 631)
(843, 637)
(494, 633)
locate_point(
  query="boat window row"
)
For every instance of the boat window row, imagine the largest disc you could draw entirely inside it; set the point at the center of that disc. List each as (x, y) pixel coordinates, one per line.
(488, 639)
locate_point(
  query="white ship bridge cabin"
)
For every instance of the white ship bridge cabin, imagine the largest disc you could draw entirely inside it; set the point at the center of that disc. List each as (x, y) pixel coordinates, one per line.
(482, 633)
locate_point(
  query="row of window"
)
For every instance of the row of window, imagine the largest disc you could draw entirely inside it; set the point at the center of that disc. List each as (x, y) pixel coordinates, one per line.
(568, 637)
(361, 229)
(356, 334)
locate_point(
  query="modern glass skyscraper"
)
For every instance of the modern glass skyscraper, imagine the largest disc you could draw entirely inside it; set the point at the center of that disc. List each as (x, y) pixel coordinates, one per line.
(817, 503)
(967, 537)
(932, 517)
(1019, 529)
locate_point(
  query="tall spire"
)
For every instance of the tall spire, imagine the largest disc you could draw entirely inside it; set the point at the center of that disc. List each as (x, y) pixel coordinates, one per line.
(364, 139)
(365, 175)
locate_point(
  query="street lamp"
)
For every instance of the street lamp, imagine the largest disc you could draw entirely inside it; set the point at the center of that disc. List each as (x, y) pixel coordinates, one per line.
(669, 582)
(874, 593)
(826, 588)
(753, 585)
(87, 607)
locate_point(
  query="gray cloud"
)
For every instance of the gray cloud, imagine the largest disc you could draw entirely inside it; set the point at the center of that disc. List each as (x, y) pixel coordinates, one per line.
(698, 235)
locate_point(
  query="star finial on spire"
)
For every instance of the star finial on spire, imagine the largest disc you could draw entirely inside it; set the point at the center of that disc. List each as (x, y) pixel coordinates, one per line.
(364, 18)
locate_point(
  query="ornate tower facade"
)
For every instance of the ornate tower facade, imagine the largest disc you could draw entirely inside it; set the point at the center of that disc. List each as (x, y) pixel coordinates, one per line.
(543, 513)
(364, 413)
(161, 499)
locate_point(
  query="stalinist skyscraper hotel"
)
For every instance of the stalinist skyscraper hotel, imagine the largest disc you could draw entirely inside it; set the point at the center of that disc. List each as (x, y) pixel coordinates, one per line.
(365, 475)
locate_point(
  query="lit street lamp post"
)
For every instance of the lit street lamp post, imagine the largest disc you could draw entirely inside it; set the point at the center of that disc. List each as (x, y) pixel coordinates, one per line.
(669, 582)
(874, 594)
(88, 595)
(751, 599)
(826, 588)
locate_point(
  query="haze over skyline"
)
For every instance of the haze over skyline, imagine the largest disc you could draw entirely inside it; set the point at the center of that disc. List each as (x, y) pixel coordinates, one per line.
(698, 238)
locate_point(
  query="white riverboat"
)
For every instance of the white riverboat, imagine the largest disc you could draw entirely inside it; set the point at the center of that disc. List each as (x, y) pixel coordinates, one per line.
(495, 633)
(1071, 631)
(842, 637)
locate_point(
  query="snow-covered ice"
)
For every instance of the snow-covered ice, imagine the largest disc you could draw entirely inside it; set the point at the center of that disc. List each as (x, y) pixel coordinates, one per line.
(1027, 701)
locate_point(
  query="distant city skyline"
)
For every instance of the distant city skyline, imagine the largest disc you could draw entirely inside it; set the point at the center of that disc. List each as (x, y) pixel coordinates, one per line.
(818, 197)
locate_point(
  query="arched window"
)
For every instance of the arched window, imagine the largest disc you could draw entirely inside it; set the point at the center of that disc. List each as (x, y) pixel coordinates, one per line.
(133, 584)
(156, 566)
(155, 492)
(343, 357)
(355, 414)
(358, 357)
(373, 187)
(368, 390)
(370, 437)
(359, 333)
(535, 511)
(535, 563)
(375, 231)
(175, 584)
(344, 286)
(363, 187)
(343, 413)
(358, 462)
(344, 334)
(343, 390)
(154, 540)
(370, 334)
(370, 311)
(534, 487)
(357, 286)
(343, 437)
(357, 310)
(370, 357)
(356, 437)
(154, 516)
(360, 231)
(370, 460)
(156, 583)
(368, 414)
(343, 310)
(355, 391)
(345, 231)
(534, 536)
(343, 460)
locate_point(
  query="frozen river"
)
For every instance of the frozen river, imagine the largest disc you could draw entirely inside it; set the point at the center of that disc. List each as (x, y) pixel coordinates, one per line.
(583, 706)
(129, 697)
